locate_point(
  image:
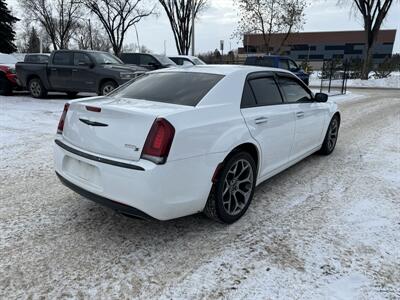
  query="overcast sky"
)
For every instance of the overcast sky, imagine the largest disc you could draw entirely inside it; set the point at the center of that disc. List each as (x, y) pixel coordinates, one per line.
(219, 21)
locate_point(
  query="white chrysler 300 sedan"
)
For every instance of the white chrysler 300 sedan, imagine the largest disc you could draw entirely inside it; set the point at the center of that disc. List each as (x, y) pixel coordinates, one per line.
(175, 142)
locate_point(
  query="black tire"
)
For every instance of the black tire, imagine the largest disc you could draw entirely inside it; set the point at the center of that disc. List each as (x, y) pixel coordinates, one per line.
(331, 136)
(220, 200)
(72, 95)
(36, 88)
(5, 86)
(107, 87)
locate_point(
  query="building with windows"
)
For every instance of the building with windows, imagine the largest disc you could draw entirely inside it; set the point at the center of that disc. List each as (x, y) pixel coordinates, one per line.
(318, 46)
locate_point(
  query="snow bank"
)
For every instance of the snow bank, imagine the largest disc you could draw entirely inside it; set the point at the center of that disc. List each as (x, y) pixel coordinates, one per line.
(391, 82)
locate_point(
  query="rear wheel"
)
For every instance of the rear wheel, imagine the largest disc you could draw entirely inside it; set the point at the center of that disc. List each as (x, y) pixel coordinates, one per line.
(231, 195)
(5, 86)
(107, 87)
(36, 88)
(331, 136)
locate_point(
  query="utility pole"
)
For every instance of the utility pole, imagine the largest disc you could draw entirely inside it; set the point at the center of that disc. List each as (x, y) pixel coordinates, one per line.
(90, 34)
(137, 38)
(193, 16)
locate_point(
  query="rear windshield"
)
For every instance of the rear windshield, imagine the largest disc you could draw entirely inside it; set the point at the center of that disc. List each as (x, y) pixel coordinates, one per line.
(182, 88)
(263, 61)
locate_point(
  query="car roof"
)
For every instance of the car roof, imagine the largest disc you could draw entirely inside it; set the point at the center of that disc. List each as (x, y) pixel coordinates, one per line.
(221, 69)
(183, 56)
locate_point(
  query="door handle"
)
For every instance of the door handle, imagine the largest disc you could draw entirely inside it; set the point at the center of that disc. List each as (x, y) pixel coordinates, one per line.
(74, 70)
(300, 114)
(53, 69)
(261, 120)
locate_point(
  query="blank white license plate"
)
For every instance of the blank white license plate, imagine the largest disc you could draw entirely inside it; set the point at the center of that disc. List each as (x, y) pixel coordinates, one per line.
(80, 169)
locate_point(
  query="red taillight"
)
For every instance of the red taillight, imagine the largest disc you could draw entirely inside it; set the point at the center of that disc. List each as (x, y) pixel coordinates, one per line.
(62, 119)
(159, 141)
(93, 108)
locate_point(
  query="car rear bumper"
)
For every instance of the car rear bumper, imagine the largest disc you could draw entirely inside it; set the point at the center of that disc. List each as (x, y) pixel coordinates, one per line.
(163, 192)
(122, 208)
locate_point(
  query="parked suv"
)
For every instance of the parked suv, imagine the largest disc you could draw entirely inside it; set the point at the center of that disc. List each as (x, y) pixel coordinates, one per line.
(148, 61)
(8, 78)
(74, 71)
(276, 61)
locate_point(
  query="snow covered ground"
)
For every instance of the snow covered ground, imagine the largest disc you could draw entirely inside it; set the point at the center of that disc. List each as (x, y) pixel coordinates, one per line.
(391, 82)
(327, 228)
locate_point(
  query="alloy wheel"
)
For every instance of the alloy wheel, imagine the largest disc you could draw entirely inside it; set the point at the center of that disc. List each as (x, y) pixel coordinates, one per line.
(333, 134)
(35, 88)
(107, 89)
(238, 185)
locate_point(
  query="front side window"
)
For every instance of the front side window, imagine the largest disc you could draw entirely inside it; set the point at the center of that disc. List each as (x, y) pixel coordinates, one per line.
(103, 58)
(266, 91)
(62, 58)
(81, 59)
(293, 91)
(292, 65)
(170, 87)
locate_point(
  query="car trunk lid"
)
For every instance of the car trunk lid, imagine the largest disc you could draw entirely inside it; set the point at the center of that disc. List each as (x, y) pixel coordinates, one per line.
(111, 127)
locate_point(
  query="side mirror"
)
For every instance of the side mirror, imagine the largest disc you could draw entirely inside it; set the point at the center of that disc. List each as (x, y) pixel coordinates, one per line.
(321, 97)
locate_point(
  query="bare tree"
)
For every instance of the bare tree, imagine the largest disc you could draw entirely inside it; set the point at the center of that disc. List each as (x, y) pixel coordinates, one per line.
(268, 17)
(117, 16)
(58, 17)
(92, 36)
(180, 15)
(373, 13)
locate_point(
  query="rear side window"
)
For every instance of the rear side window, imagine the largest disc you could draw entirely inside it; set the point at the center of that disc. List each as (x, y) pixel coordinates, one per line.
(266, 91)
(62, 58)
(171, 87)
(293, 91)
(248, 99)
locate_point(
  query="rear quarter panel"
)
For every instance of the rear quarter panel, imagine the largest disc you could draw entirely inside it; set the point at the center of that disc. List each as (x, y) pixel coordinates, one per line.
(214, 126)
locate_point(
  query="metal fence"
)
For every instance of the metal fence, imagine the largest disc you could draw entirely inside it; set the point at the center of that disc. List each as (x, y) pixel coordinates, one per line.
(334, 77)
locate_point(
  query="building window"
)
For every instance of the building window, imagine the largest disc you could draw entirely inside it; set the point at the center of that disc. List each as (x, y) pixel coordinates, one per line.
(381, 55)
(312, 56)
(335, 47)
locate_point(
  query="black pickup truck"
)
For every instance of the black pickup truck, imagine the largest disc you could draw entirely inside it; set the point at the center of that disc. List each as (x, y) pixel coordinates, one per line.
(74, 71)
